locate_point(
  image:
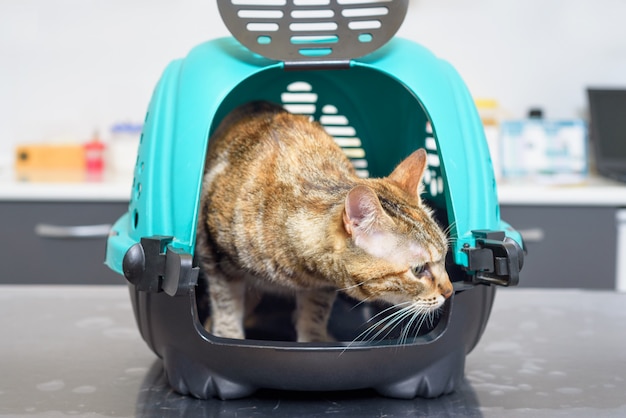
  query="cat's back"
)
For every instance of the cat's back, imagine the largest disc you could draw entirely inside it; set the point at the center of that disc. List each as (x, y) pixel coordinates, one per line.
(261, 140)
(241, 129)
(268, 173)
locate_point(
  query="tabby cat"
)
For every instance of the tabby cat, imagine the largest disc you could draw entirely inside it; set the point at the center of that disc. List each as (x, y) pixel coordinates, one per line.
(282, 208)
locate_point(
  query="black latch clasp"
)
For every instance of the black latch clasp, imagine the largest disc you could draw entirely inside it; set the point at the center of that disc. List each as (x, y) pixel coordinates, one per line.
(496, 259)
(153, 265)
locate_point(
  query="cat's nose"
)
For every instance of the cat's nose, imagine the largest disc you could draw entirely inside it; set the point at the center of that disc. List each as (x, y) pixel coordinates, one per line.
(446, 290)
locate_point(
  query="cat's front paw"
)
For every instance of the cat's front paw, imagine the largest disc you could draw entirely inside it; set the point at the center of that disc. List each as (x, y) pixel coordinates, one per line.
(225, 330)
(315, 337)
(207, 324)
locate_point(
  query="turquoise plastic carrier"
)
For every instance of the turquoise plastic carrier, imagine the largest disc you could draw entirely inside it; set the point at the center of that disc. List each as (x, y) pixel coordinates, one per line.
(380, 108)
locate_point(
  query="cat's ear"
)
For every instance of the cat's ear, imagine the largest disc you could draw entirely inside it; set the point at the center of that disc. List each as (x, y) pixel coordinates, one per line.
(363, 212)
(408, 174)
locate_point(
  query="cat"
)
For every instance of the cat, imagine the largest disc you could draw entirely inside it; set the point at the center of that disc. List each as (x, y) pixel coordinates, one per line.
(281, 207)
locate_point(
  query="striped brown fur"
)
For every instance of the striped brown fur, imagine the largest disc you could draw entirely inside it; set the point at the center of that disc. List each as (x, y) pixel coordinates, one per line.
(281, 206)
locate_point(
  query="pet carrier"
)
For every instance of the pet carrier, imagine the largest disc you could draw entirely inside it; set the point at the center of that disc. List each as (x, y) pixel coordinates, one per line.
(381, 99)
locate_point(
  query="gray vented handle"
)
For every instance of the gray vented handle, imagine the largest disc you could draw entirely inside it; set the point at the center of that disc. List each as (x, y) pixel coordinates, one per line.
(300, 31)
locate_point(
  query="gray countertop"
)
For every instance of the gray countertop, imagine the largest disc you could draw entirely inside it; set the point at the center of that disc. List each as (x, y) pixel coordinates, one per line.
(593, 191)
(75, 350)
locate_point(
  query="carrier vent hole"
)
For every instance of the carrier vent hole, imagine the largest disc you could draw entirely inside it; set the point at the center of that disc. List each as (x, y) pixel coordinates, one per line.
(313, 27)
(433, 179)
(299, 86)
(262, 27)
(264, 40)
(355, 2)
(315, 52)
(314, 39)
(365, 12)
(365, 24)
(260, 14)
(313, 14)
(299, 98)
(135, 219)
(260, 2)
(311, 2)
(312, 23)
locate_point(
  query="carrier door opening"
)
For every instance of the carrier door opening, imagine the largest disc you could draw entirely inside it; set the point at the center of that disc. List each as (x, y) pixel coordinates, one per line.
(377, 123)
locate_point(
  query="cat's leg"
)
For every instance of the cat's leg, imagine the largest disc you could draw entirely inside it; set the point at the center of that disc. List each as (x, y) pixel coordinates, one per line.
(227, 297)
(313, 308)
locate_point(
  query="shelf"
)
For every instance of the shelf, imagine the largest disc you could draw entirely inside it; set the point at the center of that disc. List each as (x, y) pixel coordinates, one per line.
(109, 189)
(594, 192)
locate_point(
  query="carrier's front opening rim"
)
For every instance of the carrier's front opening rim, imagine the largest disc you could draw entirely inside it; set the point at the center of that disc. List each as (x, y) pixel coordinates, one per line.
(364, 136)
(436, 330)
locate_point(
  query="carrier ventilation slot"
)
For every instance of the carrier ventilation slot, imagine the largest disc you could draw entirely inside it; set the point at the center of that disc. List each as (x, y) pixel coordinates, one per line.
(433, 180)
(302, 30)
(299, 98)
(137, 187)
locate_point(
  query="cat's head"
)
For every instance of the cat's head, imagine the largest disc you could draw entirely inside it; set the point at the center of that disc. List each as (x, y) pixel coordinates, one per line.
(397, 251)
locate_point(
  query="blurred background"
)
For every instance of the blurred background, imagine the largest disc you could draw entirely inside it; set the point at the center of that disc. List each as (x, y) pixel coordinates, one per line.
(76, 77)
(71, 67)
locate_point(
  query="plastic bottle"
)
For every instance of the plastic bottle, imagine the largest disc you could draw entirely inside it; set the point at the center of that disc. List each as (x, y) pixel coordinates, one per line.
(122, 148)
(94, 156)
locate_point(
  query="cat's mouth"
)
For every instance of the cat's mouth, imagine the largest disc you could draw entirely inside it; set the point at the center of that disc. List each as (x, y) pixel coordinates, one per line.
(419, 304)
(430, 305)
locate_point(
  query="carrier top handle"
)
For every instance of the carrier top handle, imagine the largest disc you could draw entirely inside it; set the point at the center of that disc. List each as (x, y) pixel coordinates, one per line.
(309, 34)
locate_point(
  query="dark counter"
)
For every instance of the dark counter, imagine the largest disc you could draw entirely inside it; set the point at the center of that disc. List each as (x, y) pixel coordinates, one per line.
(75, 350)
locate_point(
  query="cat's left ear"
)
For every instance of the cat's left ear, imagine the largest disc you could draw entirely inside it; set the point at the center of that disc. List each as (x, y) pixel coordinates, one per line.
(363, 213)
(408, 174)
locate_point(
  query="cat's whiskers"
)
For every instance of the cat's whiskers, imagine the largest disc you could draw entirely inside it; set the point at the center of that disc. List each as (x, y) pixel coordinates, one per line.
(447, 230)
(397, 319)
(388, 323)
(372, 327)
(413, 314)
(361, 302)
(404, 335)
(355, 285)
(449, 239)
(373, 332)
(417, 321)
(418, 314)
(392, 307)
(428, 316)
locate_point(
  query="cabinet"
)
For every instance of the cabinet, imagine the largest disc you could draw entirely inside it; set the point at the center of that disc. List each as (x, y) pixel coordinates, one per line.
(54, 253)
(568, 246)
(572, 233)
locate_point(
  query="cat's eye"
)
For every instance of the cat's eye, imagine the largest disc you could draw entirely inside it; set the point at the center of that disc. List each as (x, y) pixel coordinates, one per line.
(417, 270)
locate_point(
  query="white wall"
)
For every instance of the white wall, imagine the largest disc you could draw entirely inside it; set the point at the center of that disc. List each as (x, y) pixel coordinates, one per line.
(68, 67)
(527, 52)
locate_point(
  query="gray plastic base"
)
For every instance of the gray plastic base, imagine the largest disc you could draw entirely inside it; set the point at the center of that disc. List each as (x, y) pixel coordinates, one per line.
(201, 365)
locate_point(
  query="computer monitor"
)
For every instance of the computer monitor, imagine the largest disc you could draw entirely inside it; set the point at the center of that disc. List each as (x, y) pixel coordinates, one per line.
(607, 110)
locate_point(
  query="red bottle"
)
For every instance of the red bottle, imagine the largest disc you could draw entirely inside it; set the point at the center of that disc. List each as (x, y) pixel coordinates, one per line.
(94, 156)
